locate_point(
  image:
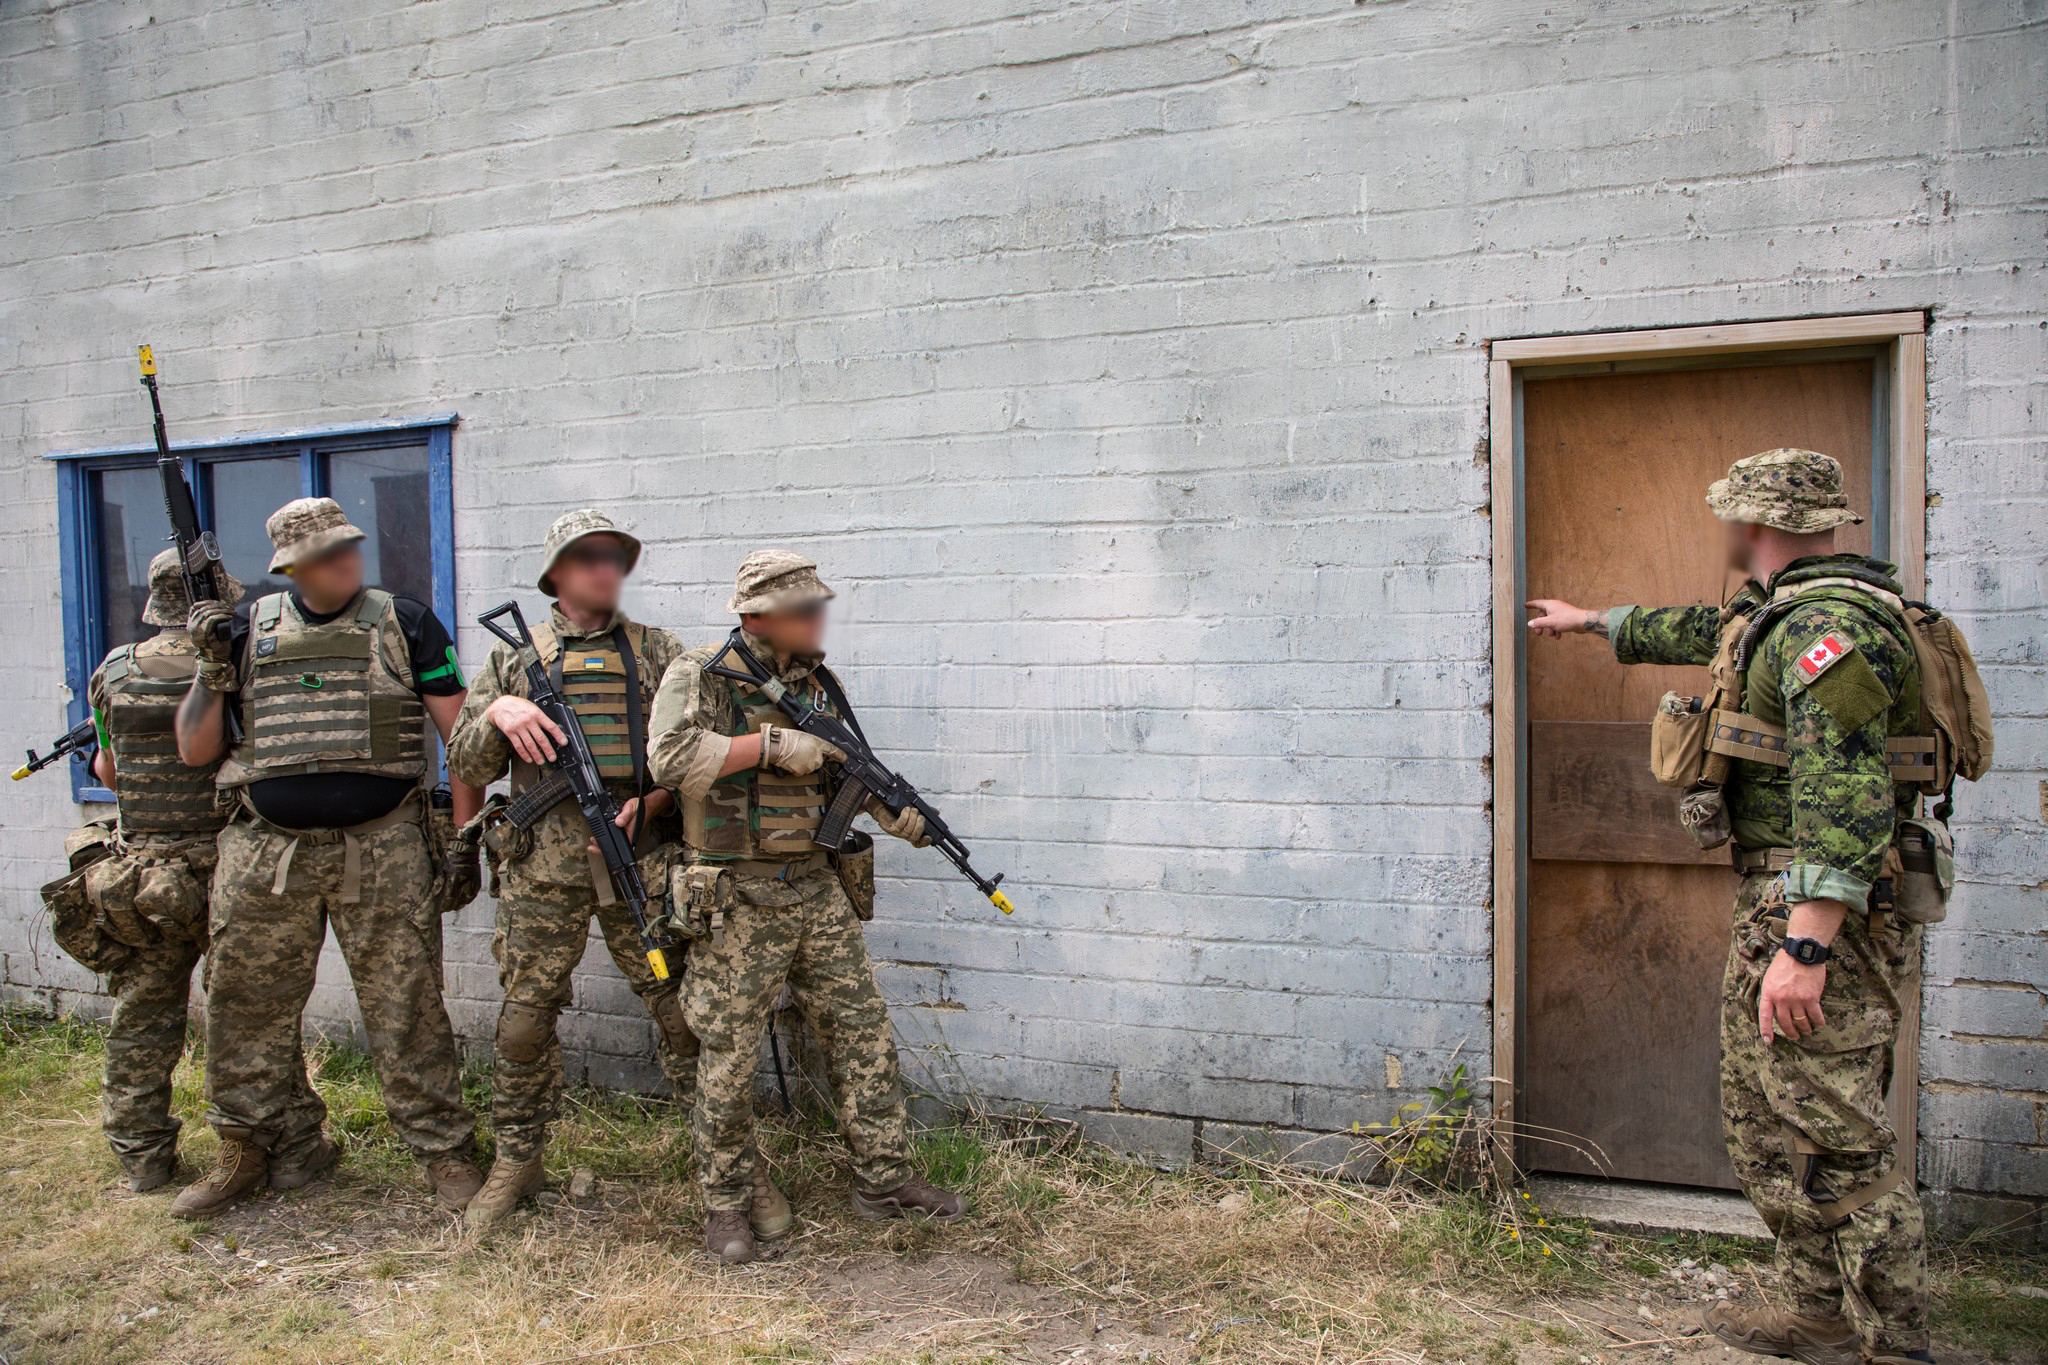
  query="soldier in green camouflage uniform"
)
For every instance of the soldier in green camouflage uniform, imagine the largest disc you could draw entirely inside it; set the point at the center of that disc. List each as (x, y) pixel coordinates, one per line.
(1808, 1046)
(754, 792)
(552, 886)
(334, 684)
(150, 894)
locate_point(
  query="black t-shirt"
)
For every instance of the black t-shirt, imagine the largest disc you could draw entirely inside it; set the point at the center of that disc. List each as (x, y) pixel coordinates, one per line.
(337, 800)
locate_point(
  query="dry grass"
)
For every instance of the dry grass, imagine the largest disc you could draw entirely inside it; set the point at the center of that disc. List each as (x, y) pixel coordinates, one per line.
(1069, 1256)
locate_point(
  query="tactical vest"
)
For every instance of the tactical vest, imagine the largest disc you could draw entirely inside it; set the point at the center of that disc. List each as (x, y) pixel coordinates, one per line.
(154, 791)
(325, 699)
(593, 678)
(759, 813)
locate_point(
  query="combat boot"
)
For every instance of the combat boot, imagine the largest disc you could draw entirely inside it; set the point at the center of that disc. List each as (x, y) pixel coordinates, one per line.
(296, 1175)
(915, 1197)
(240, 1169)
(510, 1181)
(454, 1180)
(767, 1211)
(146, 1173)
(1767, 1331)
(727, 1236)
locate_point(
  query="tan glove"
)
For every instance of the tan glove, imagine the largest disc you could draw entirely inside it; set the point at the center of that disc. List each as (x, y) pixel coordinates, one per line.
(795, 752)
(461, 861)
(211, 644)
(906, 824)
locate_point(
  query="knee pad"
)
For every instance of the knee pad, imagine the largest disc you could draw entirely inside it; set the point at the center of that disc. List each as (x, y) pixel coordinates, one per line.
(524, 1032)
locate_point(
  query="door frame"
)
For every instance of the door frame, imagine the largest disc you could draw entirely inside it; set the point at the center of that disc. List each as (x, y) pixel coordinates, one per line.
(1901, 341)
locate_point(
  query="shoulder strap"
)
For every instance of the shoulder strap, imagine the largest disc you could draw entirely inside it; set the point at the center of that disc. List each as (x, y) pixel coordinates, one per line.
(636, 734)
(268, 611)
(546, 643)
(376, 602)
(117, 665)
(830, 682)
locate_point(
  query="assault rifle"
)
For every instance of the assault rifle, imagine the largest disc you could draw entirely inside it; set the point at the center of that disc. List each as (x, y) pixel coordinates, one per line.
(861, 774)
(575, 769)
(76, 740)
(198, 551)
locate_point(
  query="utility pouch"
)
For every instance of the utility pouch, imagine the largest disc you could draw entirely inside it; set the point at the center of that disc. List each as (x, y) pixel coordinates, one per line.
(701, 897)
(170, 897)
(854, 861)
(505, 840)
(73, 922)
(1678, 741)
(1927, 861)
(1703, 810)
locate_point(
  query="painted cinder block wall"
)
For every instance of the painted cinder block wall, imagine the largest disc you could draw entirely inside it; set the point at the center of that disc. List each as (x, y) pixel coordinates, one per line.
(1125, 366)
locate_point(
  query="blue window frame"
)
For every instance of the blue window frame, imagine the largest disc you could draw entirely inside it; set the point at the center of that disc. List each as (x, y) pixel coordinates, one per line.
(395, 480)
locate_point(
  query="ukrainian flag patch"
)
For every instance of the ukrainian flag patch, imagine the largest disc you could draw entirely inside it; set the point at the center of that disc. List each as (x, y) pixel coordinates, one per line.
(593, 661)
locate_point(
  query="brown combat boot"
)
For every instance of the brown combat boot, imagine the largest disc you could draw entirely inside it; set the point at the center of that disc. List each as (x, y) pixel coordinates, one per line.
(915, 1197)
(296, 1175)
(239, 1169)
(767, 1211)
(727, 1236)
(454, 1181)
(1767, 1331)
(510, 1181)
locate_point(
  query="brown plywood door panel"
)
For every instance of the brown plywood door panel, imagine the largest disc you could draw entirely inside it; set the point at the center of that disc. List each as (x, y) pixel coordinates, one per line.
(1627, 922)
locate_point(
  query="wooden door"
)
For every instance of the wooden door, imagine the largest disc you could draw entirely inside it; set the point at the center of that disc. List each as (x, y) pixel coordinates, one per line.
(1628, 922)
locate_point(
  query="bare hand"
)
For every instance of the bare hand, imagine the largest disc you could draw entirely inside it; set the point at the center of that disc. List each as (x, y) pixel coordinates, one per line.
(1790, 1003)
(1555, 617)
(526, 727)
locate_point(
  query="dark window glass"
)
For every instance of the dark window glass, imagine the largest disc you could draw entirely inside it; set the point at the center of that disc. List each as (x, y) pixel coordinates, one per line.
(244, 494)
(385, 493)
(134, 528)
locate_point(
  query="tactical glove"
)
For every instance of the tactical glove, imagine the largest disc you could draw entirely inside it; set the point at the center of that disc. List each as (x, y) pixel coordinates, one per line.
(207, 638)
(461, 863)
(906, 824)
(795, 752)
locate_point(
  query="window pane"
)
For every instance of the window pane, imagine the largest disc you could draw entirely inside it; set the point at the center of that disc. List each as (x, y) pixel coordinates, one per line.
(128, 508)
(385, 493)
(245, 493)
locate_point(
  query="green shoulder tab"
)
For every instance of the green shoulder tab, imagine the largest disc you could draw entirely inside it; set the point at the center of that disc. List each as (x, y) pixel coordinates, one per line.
(375, 603)
(1831, 669)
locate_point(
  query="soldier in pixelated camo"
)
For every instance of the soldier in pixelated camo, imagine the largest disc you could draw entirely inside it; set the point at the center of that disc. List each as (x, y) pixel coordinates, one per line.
(150, 895)
(754, 793)
(551, 888)
(1818, 970)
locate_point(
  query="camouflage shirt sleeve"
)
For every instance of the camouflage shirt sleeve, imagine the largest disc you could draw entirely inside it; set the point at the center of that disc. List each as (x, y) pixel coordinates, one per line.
(1664, 635)
(692, 713)
(96, 699)
(477, 752)
(1843, 802)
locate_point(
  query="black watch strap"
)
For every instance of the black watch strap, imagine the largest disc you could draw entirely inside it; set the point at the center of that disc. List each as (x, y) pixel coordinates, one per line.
(1807, 952)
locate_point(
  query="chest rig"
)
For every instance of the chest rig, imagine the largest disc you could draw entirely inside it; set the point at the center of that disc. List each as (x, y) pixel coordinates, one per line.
(324, 698)
(761, 814)
(605, 685)
(154, 791)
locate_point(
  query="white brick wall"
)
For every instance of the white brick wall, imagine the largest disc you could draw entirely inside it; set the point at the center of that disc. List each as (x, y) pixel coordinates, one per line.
(1124, 364)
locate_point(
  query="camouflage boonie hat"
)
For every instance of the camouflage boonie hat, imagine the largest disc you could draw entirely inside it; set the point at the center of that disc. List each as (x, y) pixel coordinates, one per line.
(776, 580)
(306, 528)
(167, 604)
(571, 527)
(1799, 491)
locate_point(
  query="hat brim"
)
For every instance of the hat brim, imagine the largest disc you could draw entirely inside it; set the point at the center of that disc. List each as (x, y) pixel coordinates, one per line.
(160, 611)
(315, 545)
(1732, 504)
(783, 599)
(546, 581)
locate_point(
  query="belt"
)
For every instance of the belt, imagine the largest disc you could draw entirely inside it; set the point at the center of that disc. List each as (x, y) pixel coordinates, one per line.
(1749, 861)
(410, 809)
(797, 867)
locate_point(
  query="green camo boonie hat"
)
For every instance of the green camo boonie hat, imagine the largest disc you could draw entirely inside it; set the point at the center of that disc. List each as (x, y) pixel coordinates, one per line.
(1799, 491)
(571, 527)
(776, 580)
(306, 528)
(167, 603)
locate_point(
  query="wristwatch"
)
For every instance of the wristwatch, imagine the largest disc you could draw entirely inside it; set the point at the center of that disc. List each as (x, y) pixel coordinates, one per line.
(1807, 952)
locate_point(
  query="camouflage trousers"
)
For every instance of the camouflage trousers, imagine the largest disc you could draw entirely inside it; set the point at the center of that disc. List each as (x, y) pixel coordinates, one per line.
(805, 936)
(145, 1039)
(260, 969)
(541, 935)
(1828, 1088)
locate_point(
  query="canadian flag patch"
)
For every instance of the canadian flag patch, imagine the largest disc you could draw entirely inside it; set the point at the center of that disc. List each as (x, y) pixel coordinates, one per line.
(1824, 654)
